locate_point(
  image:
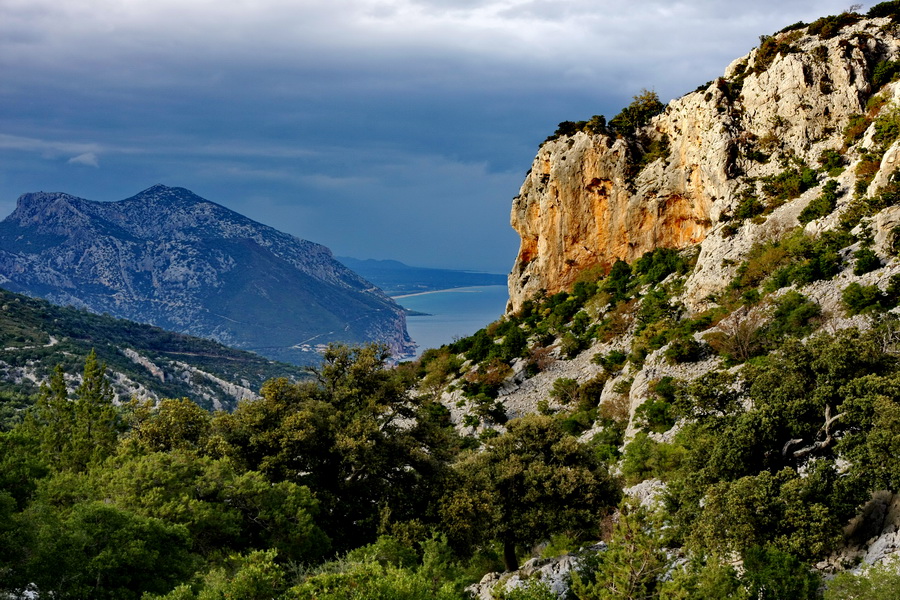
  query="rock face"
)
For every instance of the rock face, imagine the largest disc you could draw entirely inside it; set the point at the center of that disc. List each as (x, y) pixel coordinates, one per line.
(175, 260)
(595, 196)
(732, 174)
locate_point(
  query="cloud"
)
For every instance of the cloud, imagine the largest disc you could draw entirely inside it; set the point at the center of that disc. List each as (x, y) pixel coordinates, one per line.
(48, 148)
(88, 159)
(384, 128)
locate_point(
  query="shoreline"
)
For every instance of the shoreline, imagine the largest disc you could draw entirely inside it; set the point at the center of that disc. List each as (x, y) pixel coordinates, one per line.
(465, 289)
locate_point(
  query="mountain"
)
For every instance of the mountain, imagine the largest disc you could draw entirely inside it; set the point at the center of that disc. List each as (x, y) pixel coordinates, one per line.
(173, 259)
(396, 278)
(143, 361)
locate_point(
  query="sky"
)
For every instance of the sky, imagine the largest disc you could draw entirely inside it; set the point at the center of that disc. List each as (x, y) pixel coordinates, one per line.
(386, 129)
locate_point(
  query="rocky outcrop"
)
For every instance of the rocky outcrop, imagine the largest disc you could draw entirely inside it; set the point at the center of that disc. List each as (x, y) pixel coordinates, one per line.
(594, 196)
(172, 259)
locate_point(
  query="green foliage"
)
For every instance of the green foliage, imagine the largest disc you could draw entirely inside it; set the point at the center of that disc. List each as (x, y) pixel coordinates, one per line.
(749, 207)
(530, 482)
(769, 48)
(794, 259)
(781, 509)
(596, 125)
(741, 458)
(565, 390)
(830, 26)
(704, 580)
(855, 128)
(879, 582)
(241, 577)
(657, 148)
(631, 567)
(617, 282)
(100, 551)
(858, 299)
(656, 414)
(656, 265)
(643, 107)
(788, 184)
(530, 591)
(774, 575)
(611, 361)
(795, 315)
(887, 128)
(885, 9)
(645, 458)
(823, 205)
(343, 436)
(866, 261)
(683, 349)
(885, 72)
(833, 162)
(77, 433)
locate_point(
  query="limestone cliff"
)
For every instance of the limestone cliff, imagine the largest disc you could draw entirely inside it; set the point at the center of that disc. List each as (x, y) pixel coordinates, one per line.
(595, 195)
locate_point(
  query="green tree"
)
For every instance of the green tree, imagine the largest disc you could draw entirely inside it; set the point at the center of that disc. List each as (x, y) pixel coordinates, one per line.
(95, 431)
(644, 106)
(630, 568)
(55, 418)
(530, 482)
(353, 432)
(98, 551)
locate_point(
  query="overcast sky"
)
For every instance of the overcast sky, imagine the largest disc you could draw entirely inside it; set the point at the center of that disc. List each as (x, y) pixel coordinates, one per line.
(396, 129)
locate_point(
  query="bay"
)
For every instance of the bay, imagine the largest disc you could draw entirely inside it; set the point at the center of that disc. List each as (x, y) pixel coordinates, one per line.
(453, 313)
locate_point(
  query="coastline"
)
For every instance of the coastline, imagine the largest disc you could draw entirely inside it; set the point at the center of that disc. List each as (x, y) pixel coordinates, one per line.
(466, 289)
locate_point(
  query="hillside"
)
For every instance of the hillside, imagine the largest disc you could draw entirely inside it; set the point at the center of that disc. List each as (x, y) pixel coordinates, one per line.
(172, 259)
(143, 361)
(694, 393)
(706, 293)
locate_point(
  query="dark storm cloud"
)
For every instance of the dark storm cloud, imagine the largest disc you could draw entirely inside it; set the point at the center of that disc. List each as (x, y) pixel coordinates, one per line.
(381, 128)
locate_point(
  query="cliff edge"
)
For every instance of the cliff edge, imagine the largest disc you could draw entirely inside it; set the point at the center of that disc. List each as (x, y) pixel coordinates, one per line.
(596, 194)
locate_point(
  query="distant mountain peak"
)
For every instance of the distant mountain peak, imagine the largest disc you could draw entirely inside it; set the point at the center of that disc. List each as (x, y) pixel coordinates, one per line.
(168, 257)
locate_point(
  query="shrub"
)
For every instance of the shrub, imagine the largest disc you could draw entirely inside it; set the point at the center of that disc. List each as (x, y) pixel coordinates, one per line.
(885, 9)
(866, 261)
(858, 298)
(612, 361)
(769, 48)
(832, 162)
(823, 205)
(795, 315)
(683, 350)
(655, 266)
(828, 27)
(788, 184)
(749, 207)
(885, 72)
(856, 127)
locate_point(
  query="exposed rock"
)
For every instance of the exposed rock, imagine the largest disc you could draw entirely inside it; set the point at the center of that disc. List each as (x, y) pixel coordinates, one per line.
(553, 572)
(580, 207)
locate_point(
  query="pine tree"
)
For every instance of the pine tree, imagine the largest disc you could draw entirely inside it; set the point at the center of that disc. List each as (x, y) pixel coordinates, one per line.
(95, 427)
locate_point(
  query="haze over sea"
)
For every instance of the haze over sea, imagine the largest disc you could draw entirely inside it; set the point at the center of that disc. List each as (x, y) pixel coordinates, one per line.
(453, 313)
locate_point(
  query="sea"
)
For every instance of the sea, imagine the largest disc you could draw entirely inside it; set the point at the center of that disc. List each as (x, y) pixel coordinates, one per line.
(452, 314)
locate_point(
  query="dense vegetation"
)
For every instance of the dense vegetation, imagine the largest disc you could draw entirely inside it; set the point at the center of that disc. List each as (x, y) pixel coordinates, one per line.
(354, 484)
(100, 501)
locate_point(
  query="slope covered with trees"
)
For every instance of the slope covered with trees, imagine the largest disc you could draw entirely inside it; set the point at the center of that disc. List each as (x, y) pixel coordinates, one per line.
(719, 421)
(143, 360)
